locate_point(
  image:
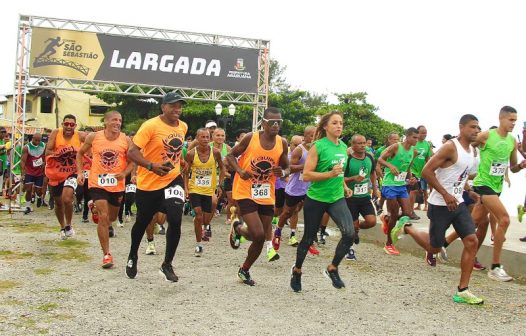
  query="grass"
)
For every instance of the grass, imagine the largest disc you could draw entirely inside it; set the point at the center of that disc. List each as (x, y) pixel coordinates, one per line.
(10, 255)
(72, 254)
(12, 302)
(6, 285)
(32, 227)
(68, 243)
(43, 271)
(59, 290)
(47, 307)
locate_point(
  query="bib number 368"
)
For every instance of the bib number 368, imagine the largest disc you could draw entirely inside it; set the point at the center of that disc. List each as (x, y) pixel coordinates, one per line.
(260, 191)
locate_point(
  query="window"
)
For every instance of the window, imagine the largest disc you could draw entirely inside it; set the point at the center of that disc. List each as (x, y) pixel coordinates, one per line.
(98, 109)
(46, 104)
(29, 106)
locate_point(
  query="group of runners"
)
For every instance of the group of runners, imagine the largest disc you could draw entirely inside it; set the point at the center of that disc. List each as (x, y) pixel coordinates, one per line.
(264, 181)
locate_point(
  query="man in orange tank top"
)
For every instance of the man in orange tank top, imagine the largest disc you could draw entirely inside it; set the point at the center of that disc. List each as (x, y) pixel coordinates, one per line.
(263, 157)
(109, 167)
(61, 170)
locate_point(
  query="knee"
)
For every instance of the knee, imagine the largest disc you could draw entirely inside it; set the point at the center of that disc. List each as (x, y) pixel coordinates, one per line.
(471, 242)
(258, 237)
(103, 217)
(504, 221)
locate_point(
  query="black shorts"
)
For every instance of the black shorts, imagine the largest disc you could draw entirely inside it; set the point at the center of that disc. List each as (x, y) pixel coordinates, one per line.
(157, 201)
(441, 218)
(228, 182)
(467, 199)
(483, 190)
(113, 198)
(414, 187)
(247, 206)
(292, 201)
(360, 206)
(38, 181)
(56, 191)
(280, 198)
(201, 201)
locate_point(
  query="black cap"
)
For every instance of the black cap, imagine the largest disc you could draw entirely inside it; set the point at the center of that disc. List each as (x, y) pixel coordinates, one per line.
(172, 97)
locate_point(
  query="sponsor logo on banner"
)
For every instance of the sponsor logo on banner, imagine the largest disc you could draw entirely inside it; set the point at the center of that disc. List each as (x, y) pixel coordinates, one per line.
(238, 71)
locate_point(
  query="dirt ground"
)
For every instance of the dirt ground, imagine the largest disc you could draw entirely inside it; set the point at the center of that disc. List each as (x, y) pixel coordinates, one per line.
(54, 287)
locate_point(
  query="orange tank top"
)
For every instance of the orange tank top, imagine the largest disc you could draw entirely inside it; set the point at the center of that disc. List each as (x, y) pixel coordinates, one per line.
(259, 162)
(63, 163)
(109, 158)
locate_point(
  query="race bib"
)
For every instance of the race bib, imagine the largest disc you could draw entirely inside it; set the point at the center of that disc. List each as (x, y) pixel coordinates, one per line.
(71, 182)
(86, 174)
(107, 180)
(458, 189)
(38, 162)
(301, 176)
(131, 188)
(498, 168)
(176, 192)
(400, 177)
(361, 189)
(203, 181)
(260, 191)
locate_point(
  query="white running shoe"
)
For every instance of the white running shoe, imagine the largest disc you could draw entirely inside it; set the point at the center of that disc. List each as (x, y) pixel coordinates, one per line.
(499, 274)
(150, 249)
(198, 251)
(443, 255)
(63, 234)
(70, 233)
(120, 224)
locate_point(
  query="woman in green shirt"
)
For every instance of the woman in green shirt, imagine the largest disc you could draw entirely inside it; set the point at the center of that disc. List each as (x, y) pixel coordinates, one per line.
(324, 168)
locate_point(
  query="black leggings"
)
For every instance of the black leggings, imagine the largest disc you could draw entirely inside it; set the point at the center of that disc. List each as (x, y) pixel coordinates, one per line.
(313, 212)
(125, 209)
(148, 204)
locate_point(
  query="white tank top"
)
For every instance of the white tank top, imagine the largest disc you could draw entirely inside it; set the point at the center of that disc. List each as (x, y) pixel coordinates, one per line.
(454, 177)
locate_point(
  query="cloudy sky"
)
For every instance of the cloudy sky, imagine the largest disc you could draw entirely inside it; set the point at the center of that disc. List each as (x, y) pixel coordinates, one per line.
(422, 62)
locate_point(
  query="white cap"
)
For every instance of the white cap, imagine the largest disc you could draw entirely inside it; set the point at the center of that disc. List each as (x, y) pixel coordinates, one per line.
(210, 124)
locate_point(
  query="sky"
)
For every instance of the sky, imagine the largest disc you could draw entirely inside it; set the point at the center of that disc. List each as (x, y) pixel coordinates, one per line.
(421, 62)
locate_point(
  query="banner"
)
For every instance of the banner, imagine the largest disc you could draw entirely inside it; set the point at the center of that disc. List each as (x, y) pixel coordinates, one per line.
(84, 55)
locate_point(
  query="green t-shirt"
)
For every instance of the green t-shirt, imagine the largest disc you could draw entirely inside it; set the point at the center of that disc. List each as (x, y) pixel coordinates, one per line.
(329, 154)
(362, 167)
(401, 161)
(18, 156)
(494, 159)
(3, 152)
(423, 149)
(379, 152)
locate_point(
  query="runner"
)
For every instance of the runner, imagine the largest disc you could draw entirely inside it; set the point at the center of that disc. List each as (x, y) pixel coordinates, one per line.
(263, 157)
(110, 166)
(296, 188)
(359, 174)
(202, 162)
(392, 138)
(424, 150)
(61, 170)
(324, 168)
(32, 170)
(156, 149)
(229, 181)
(218, 136)
(497, 151)
(447, 172)
(398, 159)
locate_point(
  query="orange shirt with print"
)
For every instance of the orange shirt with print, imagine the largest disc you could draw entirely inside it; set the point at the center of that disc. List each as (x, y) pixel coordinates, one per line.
(109, 157)
(159, 143)
(259, 162)
(63, 163)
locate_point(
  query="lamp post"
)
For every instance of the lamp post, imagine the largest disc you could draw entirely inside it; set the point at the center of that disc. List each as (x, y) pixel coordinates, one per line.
(226, 120)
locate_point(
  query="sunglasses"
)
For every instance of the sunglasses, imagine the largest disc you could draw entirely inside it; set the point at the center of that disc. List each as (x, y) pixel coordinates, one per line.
(69, 124)
(273, 122)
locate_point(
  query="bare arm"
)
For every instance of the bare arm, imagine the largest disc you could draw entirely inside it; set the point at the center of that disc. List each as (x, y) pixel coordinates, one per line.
(283, 168)
(23, 160)
(514, 166)
(86, 146)
(441, 159)
(309, 170)
(235, 152)
(295, 158)
(189, 159)
(129, 167)
(135, 155)
(222, 169)
(389, 153)
(50, 147)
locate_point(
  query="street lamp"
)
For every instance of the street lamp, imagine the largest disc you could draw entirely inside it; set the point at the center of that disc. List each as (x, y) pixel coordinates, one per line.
(226, 120)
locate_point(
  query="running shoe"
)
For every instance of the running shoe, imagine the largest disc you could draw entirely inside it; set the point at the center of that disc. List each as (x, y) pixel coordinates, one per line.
(111, 231)
(313, 250)
(321, 240)
(520, 212)
(276, 242)
(150, 248)
(275, 220)
(272, 255)
(63, 234)
(85, 220)
(467, 297)
(443, 255)
(477, 266)
(107, 261)
(351, 255)
(398, 230)
(414, 216)
(430, 259)
(120, 224)
(127, 219)
(204, 237)
(131, 268)
(27, 211)
(295, 280)
(208, 232)
(391, 250)
(167, 272)
(162, 230)
(245, 277)
(356, 238)
(198, 251)
(334, 277)
(385, 223)
(234, 238)
(499, 274)
(70, 233)
(293, 241)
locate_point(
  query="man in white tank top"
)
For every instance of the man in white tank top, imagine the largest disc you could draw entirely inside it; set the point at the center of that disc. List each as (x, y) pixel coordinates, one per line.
(447, 173)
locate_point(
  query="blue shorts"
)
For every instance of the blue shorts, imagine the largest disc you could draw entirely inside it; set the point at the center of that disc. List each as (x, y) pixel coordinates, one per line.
(394, 192)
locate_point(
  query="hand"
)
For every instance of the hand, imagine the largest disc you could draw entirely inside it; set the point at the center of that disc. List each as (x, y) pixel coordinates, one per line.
(359, 178)
(348, 192)
(522, 164)
(80, 179)
(244, 174)
(377, 193)
(336, 170)
(120, 176)
(159, 169)
(508, 182)
(278, 171)
(186, 193)
(451, 202)
(394, 170)
(133, 179)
